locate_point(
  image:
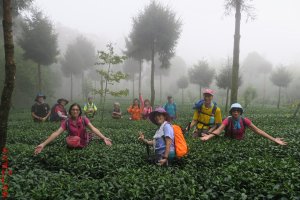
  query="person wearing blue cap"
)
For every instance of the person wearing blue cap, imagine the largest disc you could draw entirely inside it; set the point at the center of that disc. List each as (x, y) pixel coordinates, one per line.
(235, 126)
(40, 111)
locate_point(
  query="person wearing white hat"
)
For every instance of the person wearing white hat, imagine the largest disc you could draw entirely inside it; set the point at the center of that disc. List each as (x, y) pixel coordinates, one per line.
(235, 126)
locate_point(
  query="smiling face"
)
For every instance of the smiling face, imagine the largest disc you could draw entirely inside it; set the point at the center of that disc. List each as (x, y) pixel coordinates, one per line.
(40, 99)
(75, 111)
(136, 102)
(208, 98)
(159, 118)
(147, 103)
(235, 113)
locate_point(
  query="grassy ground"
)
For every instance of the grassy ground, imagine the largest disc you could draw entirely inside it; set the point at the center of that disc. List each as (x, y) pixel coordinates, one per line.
(254, 168)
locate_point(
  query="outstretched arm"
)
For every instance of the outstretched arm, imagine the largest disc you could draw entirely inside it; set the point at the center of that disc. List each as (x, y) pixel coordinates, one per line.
(54, 135)
(97, 132)
(264, 134)
(142, 138)
(218, 131)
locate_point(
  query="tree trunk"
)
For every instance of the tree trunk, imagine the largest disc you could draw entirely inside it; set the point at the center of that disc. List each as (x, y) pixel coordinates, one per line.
(297, 110)
(82, 87)
(101, 89)
(10, 71)
(182, 96)
(160, 88)
(200, 91)
(152, 75)
(279, 94)
(236, 52)
(39, 78)
(264, 90)
(133, 87)
(140, 77)
(227, 97)
(71, 99)
(105, 91)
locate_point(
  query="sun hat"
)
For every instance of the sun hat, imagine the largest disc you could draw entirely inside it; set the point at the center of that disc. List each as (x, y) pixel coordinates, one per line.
(158, 110)
(236, 106)
(62, 99)
(208, 91)
(39, 95)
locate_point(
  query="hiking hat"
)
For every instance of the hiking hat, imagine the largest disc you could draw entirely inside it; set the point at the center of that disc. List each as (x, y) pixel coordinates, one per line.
(62, 99)
(39, 95)
(156, 111)
(236, 106)
(208, 91)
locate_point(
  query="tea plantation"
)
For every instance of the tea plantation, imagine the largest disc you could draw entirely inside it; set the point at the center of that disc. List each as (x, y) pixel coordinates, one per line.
(254, 168)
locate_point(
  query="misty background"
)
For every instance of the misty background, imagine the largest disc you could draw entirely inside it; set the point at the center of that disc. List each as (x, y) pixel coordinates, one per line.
(270, 41)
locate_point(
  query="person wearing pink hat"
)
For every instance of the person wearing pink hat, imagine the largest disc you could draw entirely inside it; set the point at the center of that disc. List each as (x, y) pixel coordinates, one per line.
(163, 140)
(207, 115)
(235, 126)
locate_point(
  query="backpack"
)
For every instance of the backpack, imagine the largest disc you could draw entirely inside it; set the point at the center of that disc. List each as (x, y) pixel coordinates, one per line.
(198, 106)
(181, 147)
(229, 128)
(54, 116)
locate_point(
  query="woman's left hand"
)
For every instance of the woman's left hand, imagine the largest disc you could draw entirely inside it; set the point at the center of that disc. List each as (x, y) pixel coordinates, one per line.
(107, 141)
(163, 161)
(280, 141)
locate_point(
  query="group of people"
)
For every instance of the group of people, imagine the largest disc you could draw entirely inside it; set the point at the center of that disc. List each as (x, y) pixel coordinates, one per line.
(207, 120)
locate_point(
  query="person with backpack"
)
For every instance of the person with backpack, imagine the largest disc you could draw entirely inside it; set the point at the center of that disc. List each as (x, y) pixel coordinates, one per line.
(40, 111)
(76, 125)
(207, 115)
(235, 126)
(58, 111)
(163, 140)
(171, 108)
(90, 108)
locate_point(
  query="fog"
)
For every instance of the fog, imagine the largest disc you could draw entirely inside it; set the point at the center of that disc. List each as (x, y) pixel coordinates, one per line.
(207, 34)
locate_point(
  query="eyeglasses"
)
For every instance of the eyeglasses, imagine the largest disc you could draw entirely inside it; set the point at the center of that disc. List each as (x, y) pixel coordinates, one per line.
(74, 109)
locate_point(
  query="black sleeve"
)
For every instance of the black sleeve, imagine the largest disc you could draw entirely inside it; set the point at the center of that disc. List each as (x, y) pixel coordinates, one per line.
(33, 108)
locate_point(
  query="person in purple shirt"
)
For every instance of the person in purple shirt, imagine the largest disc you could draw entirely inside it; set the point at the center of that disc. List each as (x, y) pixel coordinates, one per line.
(76, 126)
(235, 126)
(163, 140)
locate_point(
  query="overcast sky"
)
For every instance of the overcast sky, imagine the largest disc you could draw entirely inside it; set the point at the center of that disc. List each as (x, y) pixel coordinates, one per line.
(206, 32)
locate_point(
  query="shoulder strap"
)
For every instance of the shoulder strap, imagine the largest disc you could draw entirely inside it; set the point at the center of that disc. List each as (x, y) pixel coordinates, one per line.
(214, 109)
(68, 125)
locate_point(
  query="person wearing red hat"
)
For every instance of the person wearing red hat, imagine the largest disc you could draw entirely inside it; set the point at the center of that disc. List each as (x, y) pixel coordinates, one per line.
(163, 140)
(76, 126)
(40, 111)
(235, 126)
(207, 115)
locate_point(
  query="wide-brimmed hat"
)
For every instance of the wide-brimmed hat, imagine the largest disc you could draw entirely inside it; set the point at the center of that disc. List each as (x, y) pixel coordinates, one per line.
(208, 91)
(161, 111)
(236, 106)
(39, 95)
(62, 99)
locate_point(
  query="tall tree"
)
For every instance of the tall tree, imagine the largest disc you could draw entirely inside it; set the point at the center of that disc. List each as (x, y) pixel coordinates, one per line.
(182, 83)
(78, 57)
(201, 74)
(281, 78)
(239, 6)
(132, 67)
(255, 64)
(163, 69)
(10, 71)
(39, 42)
(249, 95)
(17, 6)
(223, 80)
(157, 30)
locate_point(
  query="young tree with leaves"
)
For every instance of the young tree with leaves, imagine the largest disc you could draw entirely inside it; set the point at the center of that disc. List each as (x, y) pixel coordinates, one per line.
(110, 58)
(239, 6)
(39, 42)
(201, 74)
(156, 29)
(281, 78)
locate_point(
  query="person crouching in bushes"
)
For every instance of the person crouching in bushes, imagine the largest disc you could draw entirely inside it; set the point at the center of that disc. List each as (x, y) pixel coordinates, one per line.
(163, 140)
(235, 126)
(116, 114)
(76, 126)
(135, 110)
(90, 109)
(58, 111)
(40, 111)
